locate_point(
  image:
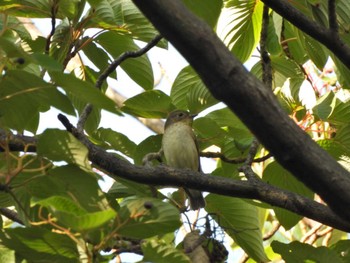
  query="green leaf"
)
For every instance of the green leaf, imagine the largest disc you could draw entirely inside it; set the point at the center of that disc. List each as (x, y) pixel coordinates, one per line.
(6, 255)
(325, 105)
(138, 69)
(300, 252)
(149, 104)
(276, 175)
(77, 184)
(38, 244)
(273, 37)
(189, 92)
(342, 139)
(137, 25)
(116, 141)
(150, 144)
(85, 222)
(84, 91)
(342, 71)
(13, 23)
(226, 118)
(209, 133)
(240, 221)
(340, 113)
(157, 251)
(342, 248)
(316, 52)
(70, 214)
(58, 145)
(293, 47)
(208, 10)
(46, 62)
(142, 217)
(283, 68)
(106, 14)
(125, 188)
(97, 56)
(62, 204)
(240, 25)
(62, 41)
(27, 8)
(29, 95)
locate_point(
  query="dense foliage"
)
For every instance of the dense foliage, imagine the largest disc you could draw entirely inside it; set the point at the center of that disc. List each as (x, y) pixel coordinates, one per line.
(52, 204)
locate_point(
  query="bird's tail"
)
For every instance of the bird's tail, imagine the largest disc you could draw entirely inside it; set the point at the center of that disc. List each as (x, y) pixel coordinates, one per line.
(196, 199)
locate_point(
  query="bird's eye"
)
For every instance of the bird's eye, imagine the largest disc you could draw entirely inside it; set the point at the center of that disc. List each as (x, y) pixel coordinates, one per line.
(181, 114)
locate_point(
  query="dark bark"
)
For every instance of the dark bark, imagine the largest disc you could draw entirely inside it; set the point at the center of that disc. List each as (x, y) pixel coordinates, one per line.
(326, 36)
(256, 106)
(166, 176)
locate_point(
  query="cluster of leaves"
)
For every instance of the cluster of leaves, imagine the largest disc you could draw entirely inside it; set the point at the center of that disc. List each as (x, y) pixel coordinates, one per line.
(55, 190)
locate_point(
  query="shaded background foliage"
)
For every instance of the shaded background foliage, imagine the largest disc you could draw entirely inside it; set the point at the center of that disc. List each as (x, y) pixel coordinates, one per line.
(53, 190)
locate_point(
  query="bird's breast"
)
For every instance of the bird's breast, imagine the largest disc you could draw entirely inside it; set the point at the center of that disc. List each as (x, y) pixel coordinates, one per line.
(179, 147)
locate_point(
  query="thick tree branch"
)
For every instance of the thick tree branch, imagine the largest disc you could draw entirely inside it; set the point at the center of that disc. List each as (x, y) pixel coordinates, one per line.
(253, 103)
(323, 35)
(17, 143)
(166, 176)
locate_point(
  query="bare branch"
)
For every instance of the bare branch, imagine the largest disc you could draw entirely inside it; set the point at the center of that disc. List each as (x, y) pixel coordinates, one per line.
(17, 143)
(53, 27)
(167, 176)
(128, 54)
(234, 160)
(123, 57)
(275, 226)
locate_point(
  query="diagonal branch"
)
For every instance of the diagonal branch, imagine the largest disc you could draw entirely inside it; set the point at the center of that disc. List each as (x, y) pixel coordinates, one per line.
(112, 67)
(10, 214)
(167, 176)
(253, 103)
(313, 29)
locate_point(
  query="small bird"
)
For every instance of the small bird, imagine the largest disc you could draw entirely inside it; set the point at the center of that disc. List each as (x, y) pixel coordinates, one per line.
(180, 149)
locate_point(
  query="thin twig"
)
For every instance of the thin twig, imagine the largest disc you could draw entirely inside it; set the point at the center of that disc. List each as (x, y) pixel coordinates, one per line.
(111, 68)
(53, 28)
(124, 56)
(234, 160)
(275, 226)
(252, 152)
(246, 167)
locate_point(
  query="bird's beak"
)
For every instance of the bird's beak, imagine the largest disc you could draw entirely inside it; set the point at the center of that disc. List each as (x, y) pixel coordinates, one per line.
(193, 116)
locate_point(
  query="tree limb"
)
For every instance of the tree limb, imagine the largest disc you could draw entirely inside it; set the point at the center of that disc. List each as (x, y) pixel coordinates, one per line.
(17, 143)
(253, 103)
(128, 54)
(323, 35)
(167, 176)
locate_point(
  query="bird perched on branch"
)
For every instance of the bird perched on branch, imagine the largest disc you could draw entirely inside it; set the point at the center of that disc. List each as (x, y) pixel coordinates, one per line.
(180, 149)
